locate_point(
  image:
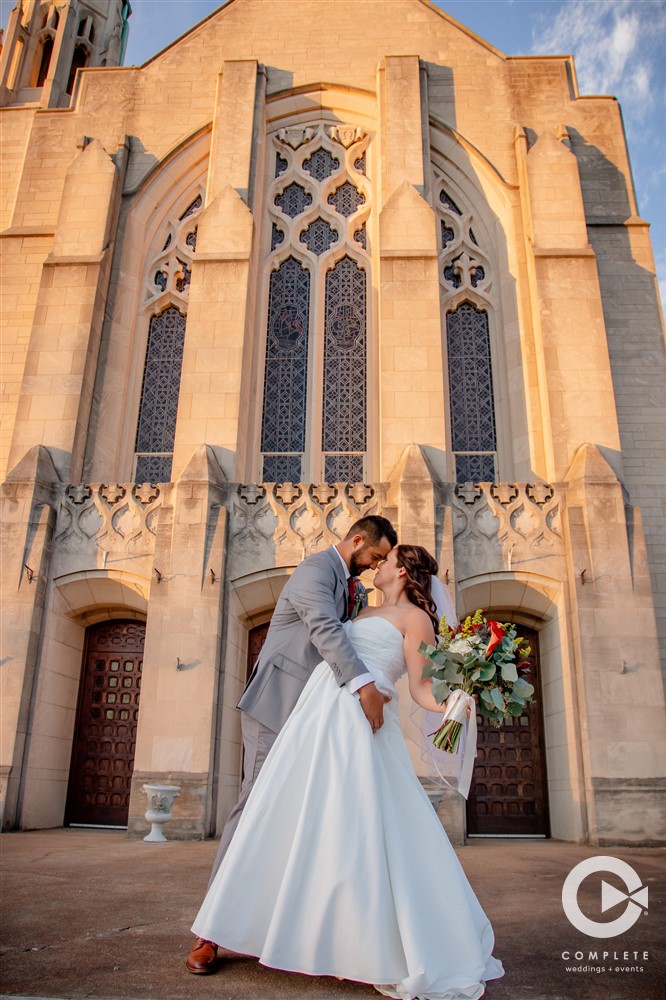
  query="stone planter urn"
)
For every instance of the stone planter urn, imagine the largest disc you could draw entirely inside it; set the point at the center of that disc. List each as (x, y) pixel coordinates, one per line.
(160, 804)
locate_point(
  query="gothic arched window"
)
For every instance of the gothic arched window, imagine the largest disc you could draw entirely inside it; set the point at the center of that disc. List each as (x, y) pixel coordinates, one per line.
(159, 397)
(472, 409)
(315, 377)
(285, 388)
(466, 283)
(345, 373)
(79, 61)
(166, 292)
(45, 61)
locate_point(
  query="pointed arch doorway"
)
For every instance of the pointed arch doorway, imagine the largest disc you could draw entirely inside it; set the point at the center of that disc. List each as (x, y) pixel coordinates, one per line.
(105, 733)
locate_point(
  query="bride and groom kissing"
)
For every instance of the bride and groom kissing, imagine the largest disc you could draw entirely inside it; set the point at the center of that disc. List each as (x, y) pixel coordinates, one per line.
(333, 862)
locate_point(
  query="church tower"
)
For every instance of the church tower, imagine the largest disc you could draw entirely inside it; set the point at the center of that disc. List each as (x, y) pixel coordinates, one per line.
(48, 40)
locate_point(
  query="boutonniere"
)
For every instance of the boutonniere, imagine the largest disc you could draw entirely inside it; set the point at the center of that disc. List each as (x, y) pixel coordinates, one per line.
(360, 597)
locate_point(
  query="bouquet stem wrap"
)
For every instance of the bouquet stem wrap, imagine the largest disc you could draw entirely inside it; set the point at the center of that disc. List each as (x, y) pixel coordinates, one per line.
(455, 721)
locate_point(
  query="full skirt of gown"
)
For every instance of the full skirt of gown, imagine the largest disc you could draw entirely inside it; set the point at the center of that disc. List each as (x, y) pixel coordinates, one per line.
(339, 865)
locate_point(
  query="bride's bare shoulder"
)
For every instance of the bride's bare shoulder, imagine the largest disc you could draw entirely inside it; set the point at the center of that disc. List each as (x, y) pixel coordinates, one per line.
(416, 619)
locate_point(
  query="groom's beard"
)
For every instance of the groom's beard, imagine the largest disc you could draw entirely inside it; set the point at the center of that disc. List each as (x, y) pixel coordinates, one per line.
(354, 568)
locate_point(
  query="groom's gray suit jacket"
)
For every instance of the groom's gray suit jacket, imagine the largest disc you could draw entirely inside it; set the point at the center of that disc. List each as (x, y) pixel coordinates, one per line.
(306, 628)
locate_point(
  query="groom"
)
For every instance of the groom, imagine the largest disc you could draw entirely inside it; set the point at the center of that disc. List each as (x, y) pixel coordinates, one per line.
(306, 628)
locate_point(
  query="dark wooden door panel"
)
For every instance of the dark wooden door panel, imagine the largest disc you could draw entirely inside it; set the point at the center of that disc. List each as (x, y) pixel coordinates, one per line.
(508, 795)
(256, 641)
(108, 711)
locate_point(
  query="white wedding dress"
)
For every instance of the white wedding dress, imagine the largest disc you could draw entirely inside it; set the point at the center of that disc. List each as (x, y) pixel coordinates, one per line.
(339, 865)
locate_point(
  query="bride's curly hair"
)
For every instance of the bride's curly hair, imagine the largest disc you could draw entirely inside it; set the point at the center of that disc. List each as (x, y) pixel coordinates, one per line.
(420, 567)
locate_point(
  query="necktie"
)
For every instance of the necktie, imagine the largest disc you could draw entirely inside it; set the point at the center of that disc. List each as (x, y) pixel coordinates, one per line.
(352, 594)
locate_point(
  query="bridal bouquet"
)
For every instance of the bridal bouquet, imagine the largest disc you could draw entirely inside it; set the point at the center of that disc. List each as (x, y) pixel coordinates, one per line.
(480, 659)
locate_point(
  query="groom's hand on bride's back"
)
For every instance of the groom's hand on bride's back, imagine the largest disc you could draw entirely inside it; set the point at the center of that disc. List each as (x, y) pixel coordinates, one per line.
(372, 703)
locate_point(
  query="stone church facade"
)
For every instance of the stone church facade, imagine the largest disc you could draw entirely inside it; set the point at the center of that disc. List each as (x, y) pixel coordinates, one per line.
(316, 260)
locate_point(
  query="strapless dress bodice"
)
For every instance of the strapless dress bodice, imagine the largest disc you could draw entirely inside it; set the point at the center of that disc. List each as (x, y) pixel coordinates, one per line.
(380, 645)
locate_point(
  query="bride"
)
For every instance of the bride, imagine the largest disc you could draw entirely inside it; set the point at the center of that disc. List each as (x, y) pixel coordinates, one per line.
(339, 865)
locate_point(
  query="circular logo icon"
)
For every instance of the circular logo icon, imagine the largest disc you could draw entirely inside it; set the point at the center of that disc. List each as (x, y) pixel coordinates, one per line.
(635, 897)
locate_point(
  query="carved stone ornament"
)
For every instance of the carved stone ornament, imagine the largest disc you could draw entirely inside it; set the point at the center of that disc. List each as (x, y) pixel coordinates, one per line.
(500, 526)
(315, 516)
(295, 137)
(347, 135)
(116, 517)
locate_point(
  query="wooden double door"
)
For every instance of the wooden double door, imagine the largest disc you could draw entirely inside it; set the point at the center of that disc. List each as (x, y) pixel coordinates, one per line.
(509, 795)
(105, 735)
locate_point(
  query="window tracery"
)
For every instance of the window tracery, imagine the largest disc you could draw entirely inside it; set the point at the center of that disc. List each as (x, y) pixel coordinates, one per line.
(466, 284)
(317, 315)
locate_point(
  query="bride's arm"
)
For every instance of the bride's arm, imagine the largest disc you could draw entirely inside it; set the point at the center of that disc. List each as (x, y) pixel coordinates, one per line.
(419, 629)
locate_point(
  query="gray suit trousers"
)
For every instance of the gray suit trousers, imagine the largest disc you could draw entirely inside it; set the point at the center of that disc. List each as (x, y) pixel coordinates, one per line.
(257, 741)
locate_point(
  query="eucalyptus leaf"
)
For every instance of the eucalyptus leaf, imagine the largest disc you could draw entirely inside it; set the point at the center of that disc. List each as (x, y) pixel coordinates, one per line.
(523, 688)
(487, 672)
(497, 698)
(452, 674)
(509, 672)
(487, 697)
(514, 709)
(440, 691)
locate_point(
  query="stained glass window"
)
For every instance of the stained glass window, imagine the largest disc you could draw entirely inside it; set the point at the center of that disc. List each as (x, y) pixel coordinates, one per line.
(448, 235)
(317, 316)
(285, 383)
(191, 209)
(344, 410)
(346, 199)
(473, 432)
(360, 237)
(293, 200)
(449, 203)
(452, 276)
(159, 397)
(319, 236)
(321, 164)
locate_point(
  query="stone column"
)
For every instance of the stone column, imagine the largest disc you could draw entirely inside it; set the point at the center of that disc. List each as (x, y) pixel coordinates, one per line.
(410, 338)
(621, 718)
(27, 519)
(219, 314)
(61, 361)
(572, 344)
(179, 692)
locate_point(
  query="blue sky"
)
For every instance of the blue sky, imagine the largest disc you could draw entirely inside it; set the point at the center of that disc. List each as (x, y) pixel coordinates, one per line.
(618, 46)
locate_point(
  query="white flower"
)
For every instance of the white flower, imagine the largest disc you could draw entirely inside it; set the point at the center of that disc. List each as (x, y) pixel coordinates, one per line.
(461, 645)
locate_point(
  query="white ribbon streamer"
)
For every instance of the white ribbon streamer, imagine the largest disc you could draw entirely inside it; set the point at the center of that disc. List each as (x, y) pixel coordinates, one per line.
(456, 711)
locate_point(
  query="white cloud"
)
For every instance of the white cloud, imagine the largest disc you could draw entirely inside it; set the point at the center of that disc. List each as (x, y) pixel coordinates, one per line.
(617, 45)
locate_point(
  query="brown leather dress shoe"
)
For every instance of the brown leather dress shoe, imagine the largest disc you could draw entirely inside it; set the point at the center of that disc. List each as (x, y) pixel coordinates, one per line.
(202, 960)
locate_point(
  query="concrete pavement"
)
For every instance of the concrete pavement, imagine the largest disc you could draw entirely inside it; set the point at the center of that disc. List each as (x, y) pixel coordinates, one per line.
(89, 913)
